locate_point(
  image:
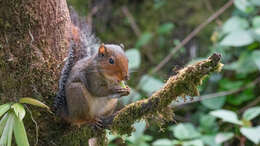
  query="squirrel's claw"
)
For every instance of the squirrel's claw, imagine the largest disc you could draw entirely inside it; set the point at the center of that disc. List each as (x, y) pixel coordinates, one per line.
(97, 124)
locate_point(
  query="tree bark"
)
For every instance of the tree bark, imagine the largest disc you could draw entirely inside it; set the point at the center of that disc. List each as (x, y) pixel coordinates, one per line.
(33, 44)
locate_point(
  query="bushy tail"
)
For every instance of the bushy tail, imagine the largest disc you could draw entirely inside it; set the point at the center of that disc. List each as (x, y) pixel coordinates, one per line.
(87, 39)
(60, 103)
(79, 48)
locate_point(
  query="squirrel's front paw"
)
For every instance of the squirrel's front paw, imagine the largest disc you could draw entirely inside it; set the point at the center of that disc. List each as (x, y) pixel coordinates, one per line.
(122, 91)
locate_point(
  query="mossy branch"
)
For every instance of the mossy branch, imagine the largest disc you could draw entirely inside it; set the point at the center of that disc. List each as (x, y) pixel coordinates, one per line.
(184, 83)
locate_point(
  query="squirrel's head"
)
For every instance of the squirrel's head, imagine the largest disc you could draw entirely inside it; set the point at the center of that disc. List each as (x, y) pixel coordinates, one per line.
(113, 62)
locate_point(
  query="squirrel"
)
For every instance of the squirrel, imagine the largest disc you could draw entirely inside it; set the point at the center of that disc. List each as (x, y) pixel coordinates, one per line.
(89, 86)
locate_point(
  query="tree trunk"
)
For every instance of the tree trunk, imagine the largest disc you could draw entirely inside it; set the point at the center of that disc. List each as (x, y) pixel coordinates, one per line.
(33, 44)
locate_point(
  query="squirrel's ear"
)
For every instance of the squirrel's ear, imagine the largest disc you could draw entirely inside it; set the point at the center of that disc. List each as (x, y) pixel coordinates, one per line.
(102, 50)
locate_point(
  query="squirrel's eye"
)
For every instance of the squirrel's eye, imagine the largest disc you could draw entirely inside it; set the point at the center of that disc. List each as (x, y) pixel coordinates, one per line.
(111, 61)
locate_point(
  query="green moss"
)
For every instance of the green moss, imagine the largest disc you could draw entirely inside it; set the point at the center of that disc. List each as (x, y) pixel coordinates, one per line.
(184, 83)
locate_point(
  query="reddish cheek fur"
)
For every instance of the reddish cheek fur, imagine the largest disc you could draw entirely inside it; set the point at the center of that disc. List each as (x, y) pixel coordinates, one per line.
(112, 71)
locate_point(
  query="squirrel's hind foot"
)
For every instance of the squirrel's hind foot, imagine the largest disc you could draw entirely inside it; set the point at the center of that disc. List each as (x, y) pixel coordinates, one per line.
(97, 124)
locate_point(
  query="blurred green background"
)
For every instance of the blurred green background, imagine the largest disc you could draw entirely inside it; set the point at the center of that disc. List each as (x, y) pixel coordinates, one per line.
(228, 112)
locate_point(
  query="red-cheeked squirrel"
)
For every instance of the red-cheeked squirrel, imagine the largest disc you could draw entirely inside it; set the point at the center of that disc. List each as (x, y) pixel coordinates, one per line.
(89, 86)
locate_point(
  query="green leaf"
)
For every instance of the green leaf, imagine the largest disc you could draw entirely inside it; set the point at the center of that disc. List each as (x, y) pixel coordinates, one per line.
(6, 137)
(3, 122)
(208, 124)
(162, 142)
(144, 39)
(227, 116)
(150, 84)
(185, 131)
(239, 99)
(19, 110)
(140, 127)
(244, 6)
(226, 84)
(209, 140)
(237, 39)
(251, 113)
(134, 58)
(20, 133)
(235, 24)
(214, 103)
(139, 130)
(196, 142)
(35, 102)
(244, 65)
(4, 108)
(256, 34)
(165, 28)
(251, 133)
(256, 22)
(255, 2)
(256, 58)
(223, 136)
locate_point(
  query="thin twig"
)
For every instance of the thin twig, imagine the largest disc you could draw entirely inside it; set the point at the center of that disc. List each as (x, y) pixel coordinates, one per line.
(137, 31)
(218, 94)
(93, 11)
(191, 35)
(131, 20)
(210, 8)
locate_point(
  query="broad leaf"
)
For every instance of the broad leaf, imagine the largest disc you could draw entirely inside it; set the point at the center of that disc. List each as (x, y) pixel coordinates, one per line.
(19, 110)
(237, 39)
(208, 124)
(209, 140)
(227, 116)
(185, 131)
(150, 84)
(6, 137)
(255, 2)
(162, 142)
(252, 133)
(214, 103)
(235, 24)
(20, 133)
(4, 108)
(165, 28)
(256, 58)
(251, 113)
(256, 22)
(134, 58)
(224, 136)
(144, 39)
(3, 123)
(244, 65)
(139, 130)
(196, 142)
(35, 102)
(244, 6)
(244, 96)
